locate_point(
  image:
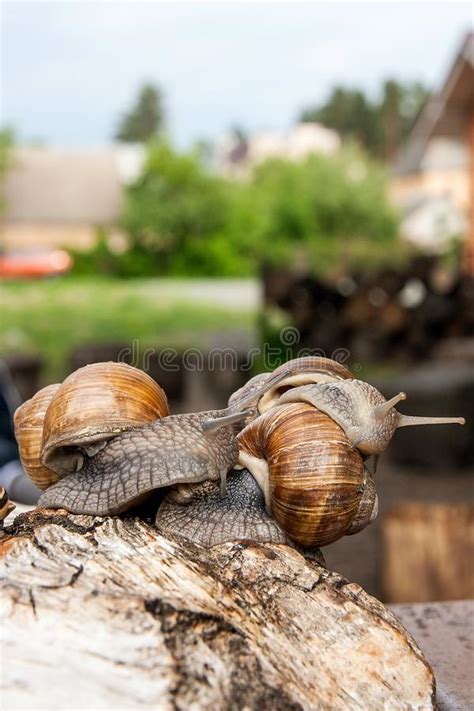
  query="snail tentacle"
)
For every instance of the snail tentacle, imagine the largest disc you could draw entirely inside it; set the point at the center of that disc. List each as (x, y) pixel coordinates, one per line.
(213, 424)
(361, 410)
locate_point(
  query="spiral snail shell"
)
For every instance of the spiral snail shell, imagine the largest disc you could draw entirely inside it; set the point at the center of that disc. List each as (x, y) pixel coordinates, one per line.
(106, 464)
(103, 440)
(28, 422)
(62, 422)
(293, 373)
(312, 477)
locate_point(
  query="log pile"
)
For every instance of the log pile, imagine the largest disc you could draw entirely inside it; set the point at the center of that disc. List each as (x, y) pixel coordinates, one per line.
(106, 613)
(385, 315)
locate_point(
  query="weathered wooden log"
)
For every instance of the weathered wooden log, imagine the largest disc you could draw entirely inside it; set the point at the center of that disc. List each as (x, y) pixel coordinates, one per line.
(107, 613)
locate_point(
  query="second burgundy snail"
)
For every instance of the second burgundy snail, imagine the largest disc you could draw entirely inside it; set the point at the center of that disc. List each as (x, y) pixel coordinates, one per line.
(104, 440)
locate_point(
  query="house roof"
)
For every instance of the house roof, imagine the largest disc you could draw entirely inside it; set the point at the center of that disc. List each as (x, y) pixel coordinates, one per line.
(55, 185)
(446, 112)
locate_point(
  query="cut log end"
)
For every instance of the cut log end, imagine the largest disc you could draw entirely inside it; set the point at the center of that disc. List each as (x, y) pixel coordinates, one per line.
(148, 622)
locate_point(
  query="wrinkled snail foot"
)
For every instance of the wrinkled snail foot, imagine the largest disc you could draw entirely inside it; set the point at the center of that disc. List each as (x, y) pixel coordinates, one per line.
(171, 451)
(208, 519)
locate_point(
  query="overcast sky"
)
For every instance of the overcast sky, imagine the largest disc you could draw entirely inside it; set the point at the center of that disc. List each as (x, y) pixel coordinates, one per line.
(70, 68)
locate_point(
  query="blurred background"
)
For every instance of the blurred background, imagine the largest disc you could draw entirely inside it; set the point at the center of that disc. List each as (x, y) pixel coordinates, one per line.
(208, 175)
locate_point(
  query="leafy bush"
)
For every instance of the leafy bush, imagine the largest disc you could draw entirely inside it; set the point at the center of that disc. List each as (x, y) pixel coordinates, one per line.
(323, 210)
(181, 220)
(179, 213)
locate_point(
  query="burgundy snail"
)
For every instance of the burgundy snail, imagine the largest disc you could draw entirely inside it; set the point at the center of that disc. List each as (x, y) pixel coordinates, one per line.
(199, 513)
(112, 458)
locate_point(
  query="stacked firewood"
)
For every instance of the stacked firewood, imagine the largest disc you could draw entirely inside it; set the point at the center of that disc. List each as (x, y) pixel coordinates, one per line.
(384, 315)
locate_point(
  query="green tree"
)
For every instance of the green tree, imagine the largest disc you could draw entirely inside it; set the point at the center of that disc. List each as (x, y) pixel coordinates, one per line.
(323, 211)
(380, 125)
(391, 120)
(145, 119)
(177, 214)
(182, 220)
(351, 114)
(413, 96)
(398, 109)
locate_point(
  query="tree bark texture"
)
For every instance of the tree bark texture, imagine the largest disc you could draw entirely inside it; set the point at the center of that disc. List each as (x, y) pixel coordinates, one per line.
(102, 613)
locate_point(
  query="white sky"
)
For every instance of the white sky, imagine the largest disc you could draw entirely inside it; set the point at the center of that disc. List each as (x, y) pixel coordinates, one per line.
(70, 68)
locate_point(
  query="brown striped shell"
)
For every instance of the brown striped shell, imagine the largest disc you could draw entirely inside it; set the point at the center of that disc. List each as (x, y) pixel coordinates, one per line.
(296, 372)
(312, 476)
(6, 506)
(28, 422)
(93, 405)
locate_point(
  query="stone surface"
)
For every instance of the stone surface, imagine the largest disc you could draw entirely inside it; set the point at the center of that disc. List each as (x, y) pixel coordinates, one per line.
(445, 632)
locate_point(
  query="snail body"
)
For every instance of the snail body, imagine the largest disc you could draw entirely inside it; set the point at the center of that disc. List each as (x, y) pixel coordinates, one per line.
(105, 462)
(173, 450)
(103, 440)
(201, 515)
(367, 418)
(64, 422)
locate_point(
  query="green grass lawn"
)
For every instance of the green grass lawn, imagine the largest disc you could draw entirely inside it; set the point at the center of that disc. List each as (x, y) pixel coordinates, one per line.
(50, 317)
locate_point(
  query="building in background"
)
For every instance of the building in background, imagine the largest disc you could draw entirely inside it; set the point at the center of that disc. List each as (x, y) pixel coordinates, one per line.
(433, 180)
(433, 197)
(59, 197)
(235, 156)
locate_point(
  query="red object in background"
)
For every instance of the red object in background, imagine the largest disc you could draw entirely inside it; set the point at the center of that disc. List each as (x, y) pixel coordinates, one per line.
(28, 266)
